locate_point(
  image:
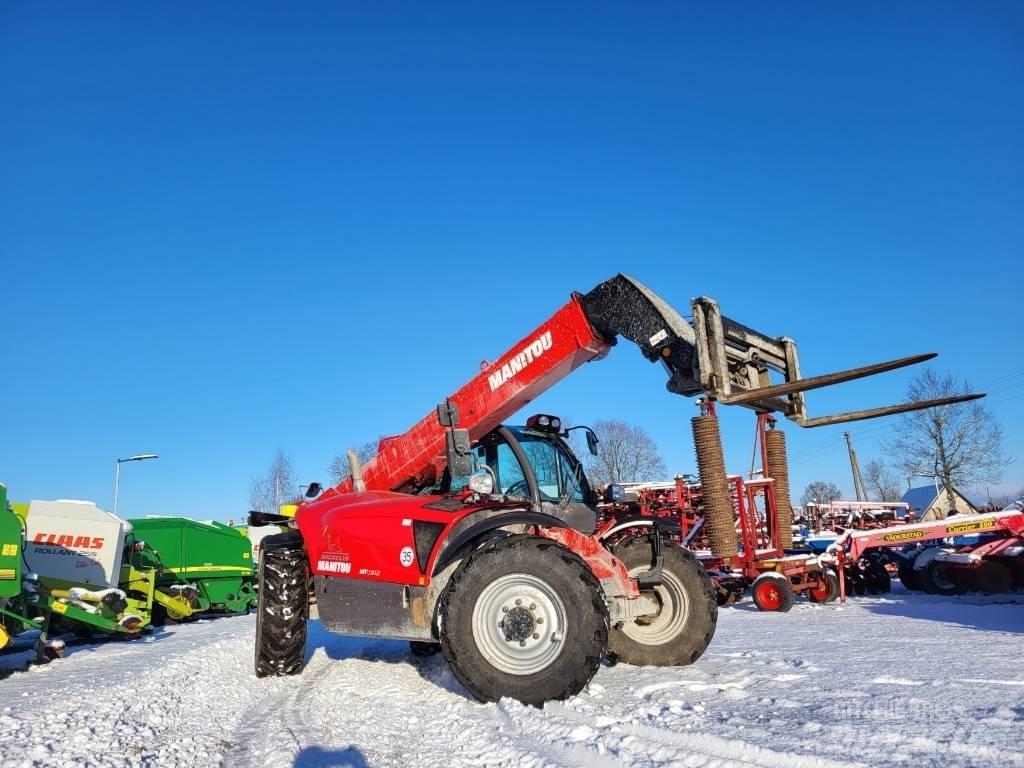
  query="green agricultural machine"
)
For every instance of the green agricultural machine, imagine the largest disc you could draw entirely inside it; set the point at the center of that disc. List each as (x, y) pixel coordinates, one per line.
(69, 566)
(10, 571)
(202, 566)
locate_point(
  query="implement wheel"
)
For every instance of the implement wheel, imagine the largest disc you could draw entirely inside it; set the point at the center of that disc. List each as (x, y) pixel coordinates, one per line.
(524, 617)
(772, 592)
(829, 589)
(283, 609)
(683, 627)
(910, 578)
(993, 577)
(939, 579)
(425, 649)
(877, 580)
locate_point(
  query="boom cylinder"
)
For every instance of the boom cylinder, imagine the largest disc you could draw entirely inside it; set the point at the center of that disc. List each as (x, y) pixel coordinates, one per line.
(777, 468)
(714, 485)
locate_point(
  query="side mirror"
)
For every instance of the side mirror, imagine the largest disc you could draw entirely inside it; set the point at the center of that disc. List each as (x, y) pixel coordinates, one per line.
(615, 493)
(313, 490)
(457, 453)
(592, 442)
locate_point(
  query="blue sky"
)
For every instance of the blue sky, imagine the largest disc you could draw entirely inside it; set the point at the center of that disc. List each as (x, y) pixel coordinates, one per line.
(228, 229)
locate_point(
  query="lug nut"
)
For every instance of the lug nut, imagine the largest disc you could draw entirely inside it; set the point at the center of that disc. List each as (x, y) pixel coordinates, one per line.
(518, 601)
(504, 609)
(536, 636)
(540, 619)
(522, 642)
(533, 606)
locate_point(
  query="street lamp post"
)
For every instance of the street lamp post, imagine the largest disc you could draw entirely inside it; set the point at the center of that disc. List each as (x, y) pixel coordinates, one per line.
(117, 473)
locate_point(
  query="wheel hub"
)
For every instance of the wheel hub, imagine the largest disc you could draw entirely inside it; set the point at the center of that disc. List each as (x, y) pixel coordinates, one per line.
(519, 624)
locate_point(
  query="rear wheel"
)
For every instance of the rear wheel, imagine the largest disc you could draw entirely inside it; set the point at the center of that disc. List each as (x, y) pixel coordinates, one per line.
(828, 591)
(524, 617)
(683, 627)
(283, 608)
(772, 592)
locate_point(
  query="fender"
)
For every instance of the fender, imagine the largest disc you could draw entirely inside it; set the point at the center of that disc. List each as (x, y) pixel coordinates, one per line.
(664, 525)
(454, 543)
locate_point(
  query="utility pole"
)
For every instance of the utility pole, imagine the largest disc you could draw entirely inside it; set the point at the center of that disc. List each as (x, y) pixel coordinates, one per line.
(858, 481)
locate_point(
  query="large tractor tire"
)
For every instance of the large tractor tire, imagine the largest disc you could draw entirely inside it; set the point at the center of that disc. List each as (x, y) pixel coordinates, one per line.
(685, 624)
(283, 609)
(773, 592)
(523, 617)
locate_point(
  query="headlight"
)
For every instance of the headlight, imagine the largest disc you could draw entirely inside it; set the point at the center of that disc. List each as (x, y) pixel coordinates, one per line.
(482, 483)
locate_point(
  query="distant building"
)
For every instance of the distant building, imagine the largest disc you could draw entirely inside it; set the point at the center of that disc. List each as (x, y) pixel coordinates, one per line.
(929, 503)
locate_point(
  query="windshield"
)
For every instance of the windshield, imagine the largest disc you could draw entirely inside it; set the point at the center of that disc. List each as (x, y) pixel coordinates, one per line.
(559, 475)
(554, 469)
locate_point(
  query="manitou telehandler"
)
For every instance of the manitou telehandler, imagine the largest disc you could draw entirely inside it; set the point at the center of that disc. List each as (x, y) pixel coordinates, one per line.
(481, 539)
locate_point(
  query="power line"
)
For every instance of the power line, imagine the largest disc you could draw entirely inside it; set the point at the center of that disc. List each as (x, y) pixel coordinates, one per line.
(1003, 377)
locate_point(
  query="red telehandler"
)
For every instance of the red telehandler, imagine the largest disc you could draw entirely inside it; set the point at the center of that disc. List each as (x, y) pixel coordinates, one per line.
(480, 539)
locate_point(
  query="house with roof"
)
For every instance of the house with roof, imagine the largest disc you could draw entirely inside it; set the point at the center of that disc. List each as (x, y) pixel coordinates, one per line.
(931, 502)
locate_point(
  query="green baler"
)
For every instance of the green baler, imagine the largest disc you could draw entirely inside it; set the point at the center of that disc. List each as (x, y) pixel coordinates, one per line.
(98, 573)
(202, 566)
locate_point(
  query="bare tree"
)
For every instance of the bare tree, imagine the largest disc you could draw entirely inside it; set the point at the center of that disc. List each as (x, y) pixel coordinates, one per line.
(881, 481)
(625, 454)
(821, 492)
(277, 486)
(958, 444)
(339, 470)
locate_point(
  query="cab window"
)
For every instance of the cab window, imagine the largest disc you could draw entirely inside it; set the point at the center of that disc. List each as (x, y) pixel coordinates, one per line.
(555, 473)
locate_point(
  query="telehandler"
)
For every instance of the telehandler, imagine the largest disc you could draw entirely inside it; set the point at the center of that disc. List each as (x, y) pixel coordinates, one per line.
(480, 539)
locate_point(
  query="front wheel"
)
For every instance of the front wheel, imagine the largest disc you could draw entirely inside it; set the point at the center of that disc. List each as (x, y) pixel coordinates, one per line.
(524, 617)
(283, 609)
(688, 609)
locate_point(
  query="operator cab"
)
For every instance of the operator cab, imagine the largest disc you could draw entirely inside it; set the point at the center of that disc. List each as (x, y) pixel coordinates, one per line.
(533, 463)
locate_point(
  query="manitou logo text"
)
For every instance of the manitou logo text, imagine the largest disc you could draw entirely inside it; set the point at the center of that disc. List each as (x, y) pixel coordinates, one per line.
(520, 360)
(68, 541)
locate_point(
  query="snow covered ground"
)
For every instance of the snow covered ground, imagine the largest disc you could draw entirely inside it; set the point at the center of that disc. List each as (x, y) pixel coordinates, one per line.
(907, 679)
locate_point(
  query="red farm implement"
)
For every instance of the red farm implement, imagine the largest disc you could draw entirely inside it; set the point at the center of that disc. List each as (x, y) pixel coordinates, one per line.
(743, 536)
(946, 557)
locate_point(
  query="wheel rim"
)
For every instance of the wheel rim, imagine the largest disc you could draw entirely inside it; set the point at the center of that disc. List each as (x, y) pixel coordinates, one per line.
(821, 593)
(769, 595)
(519, 624)
(671, 618)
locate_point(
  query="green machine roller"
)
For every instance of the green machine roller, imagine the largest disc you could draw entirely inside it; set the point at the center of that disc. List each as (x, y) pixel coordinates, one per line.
(202, 566)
